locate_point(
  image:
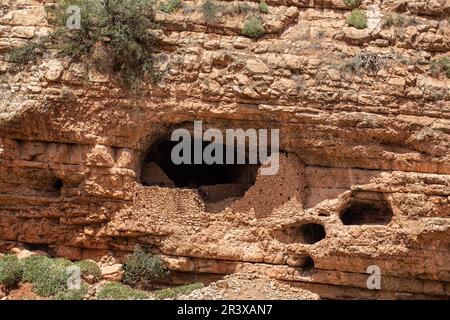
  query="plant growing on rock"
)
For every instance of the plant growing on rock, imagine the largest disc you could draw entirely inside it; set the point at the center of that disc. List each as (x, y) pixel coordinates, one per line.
(352, 3)
(171, 293)
(117, 291)
(368, 61)
(10, 270)
(89, 269)
(357, 19)
(122, 26)
(26, 53)
(242, 8)
(263, 7)
(210, 10)
(253, 27)
(441, 65)
(398, 20)
(72, 294)
(170, 6)
(47, 276)
(142, 268)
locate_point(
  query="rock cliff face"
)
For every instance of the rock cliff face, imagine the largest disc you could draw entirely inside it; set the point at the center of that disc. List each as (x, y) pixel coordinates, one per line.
(364, 173)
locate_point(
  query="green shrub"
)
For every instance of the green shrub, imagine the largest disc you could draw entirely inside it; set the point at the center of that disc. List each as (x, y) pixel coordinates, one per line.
(47, 276)
(117, 291)
(263, 7)
(253, 27)
(242, 8)
(357, 19)
(441, 65)
(121, 25)
(352, 3)
(142, 268)
(170, 6)
(62, 262)
(171, 293)
(72, 294)
(10, 270)
(26, 53)
(90, 268)
(210, 10)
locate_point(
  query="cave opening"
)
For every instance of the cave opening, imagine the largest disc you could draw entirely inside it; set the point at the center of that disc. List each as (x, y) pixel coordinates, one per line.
(366, 212)
(308, 233)
(214, 182)
(58, 184)
(312, 233)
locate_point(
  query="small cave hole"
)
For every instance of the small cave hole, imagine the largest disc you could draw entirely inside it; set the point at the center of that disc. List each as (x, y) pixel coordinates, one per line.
(312, 233)
(366, 212)
(309, 267)
(216, 183)
(308, 233)
(58, 184)
(38, 247)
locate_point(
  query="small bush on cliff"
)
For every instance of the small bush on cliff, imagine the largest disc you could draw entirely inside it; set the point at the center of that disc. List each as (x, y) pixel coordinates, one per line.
(263, 7)
(352, 3)
(26, 53)
(170, 6)
(210, 10)
(143, 268)
(398, 20)
(357, 19)
(368, 61)
(122, 26)
(72, 294)
(171, 293)
(441, 65)
(10, 270)
(253, 27)
(89, 269)
(117, 291)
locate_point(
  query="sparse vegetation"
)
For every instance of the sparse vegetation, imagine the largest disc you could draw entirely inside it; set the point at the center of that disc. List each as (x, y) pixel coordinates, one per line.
(10, 270)
(118, 291)
(368, 61)
(210, 10)
(72, 294)
(242, 8)
(398, 20)
(253, 27)
(170, 6)
(26, 53)
(352, 3)
(89, 269)
(122, 26)
(142, 268)
(171, 293)
(441, 66)
(263, 7)
(357, 19)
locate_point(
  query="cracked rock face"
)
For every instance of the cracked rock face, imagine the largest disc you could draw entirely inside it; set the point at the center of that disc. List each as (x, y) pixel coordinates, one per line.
(364, 176)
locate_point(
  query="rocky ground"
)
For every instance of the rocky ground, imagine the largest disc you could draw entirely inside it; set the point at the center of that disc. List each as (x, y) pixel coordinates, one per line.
(239, 286)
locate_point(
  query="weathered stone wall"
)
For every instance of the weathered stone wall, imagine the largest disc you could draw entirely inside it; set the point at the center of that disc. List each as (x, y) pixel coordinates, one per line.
(72, 144)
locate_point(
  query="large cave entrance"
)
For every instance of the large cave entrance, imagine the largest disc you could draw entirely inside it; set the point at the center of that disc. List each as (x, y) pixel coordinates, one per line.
(215, 182)
(367, 208)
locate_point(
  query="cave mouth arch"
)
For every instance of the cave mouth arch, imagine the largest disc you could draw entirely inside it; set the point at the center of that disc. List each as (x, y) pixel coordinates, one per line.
(362, 211)
(214, 182)
(306, 233)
